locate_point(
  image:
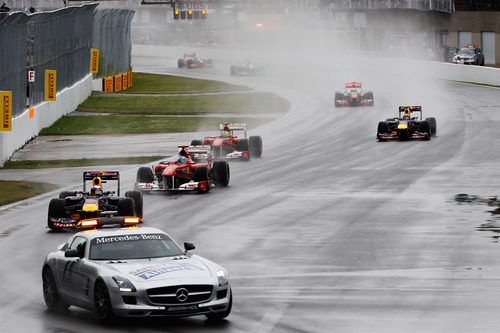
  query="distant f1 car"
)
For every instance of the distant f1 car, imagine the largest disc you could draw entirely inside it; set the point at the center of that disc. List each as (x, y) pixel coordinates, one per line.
(191, 60)
(409, 125)
(353, 95)
(192, 171)
(246, 68)
(73, 208)
(229, 146)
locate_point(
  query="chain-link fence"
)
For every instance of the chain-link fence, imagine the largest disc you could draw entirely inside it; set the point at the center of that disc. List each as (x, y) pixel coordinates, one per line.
(60, 40)
(112, 37)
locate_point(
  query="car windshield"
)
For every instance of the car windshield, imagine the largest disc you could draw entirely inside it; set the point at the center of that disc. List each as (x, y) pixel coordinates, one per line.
(136, 246)
(466, 52)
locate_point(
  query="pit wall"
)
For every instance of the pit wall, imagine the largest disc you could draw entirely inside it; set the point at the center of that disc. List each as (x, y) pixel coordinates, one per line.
(29, 124)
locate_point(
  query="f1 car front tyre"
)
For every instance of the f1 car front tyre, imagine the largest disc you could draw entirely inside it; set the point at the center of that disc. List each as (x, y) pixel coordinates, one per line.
(425, 127)
(144, 175)
(255, 143)
(102, 301)
(381, 129)
(221, 173)
(50, 293)
(57, 208)
(126, 207)
(221, 315)
(242, 145)
(180, 63)
(233, 70)
(432, 125)
(138, 202)
(201, 175)
(338, 96)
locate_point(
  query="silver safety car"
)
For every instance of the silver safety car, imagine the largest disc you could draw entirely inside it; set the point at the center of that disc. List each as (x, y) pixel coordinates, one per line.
(134, 272)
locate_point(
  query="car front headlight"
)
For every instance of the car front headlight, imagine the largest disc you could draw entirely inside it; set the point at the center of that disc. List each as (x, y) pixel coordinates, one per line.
(223, 277)
(124, 284)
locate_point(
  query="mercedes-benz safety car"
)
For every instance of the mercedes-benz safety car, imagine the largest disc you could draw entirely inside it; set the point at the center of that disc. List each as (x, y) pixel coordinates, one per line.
(191, 60)
(353, 95)
(408, 125)
(192, 171)
(233, 143)
(469, 55)
(134, 272)
(246, 68)
(73, 207)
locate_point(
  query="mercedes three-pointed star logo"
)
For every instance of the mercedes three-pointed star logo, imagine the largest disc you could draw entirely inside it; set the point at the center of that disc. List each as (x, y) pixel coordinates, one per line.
(181, 294)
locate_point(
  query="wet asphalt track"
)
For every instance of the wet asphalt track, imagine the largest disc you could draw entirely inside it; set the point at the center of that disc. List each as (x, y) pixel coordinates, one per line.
(330, 231)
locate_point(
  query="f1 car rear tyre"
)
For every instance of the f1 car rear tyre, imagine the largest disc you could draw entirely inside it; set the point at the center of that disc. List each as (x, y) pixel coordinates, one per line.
(50, 293)
(102, 301)
(233, 70)
(201, 175)
(255, 143)
(144, 175)
(126, 207)
(138, 202)
(57, 208)
(180, 63)
(221, 173)
(432, 125)
(221, 315)
(242, 145)
(65, 194)
(189, 63)
(382, 128)
(196, 143)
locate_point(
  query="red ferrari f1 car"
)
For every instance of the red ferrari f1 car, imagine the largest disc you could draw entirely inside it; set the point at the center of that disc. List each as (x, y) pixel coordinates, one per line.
(194, 170)
(229, 146)
(353, 95)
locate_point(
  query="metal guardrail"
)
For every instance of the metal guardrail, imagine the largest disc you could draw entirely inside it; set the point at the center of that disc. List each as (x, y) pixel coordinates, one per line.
(426, 5)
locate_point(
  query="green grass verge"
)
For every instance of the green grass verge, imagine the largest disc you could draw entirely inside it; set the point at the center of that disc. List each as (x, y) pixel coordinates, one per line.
(258, 102)
(39, 164)
(12, 191)
(144, 83)
(116, 124)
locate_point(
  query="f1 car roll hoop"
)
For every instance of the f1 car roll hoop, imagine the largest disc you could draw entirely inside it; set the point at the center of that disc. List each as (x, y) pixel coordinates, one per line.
(408, 125)
(192, 171)
(71, 208)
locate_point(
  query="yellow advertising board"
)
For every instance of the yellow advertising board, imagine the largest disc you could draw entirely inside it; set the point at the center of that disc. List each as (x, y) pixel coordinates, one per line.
(125, 80)
(108, 84)
(6, 100)
(118, 82)
(50, 85)
(130, 78)
(94, 60)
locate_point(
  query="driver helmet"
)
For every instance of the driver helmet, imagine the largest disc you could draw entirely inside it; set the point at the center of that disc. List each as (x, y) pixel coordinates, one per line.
(182, 160)
(407, 114)
(96, 190)
(226, 133)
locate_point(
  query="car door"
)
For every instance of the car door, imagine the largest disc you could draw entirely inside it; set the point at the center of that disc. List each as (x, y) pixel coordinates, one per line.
(71, 276)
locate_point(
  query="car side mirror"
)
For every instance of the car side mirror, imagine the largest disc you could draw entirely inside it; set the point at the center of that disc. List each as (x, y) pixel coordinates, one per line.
(189, 246)
(71, 254)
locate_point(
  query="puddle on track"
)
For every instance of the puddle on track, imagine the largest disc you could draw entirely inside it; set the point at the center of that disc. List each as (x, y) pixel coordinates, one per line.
(490, 225)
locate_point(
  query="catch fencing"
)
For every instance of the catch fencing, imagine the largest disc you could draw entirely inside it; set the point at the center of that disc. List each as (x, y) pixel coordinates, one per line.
(112, 36)
(60, 40)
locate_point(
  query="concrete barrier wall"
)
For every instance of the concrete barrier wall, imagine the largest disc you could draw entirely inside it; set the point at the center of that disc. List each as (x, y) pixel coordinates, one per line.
(45, 114)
